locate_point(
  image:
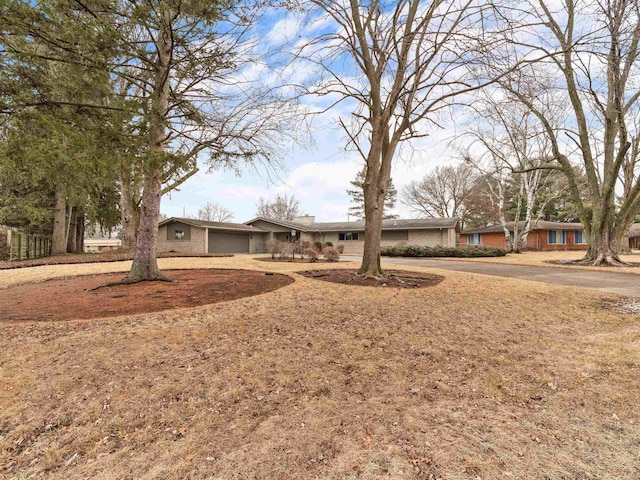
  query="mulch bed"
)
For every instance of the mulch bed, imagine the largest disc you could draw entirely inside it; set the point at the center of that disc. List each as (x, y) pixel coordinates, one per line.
(394, 278)
(72, 298)
(115, 256)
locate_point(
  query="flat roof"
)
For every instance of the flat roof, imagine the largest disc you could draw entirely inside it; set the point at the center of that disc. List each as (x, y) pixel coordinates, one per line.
(539, 225)
(359, 225)
(225, 226)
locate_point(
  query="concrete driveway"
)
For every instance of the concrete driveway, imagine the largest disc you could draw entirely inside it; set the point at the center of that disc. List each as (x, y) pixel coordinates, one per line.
(622, 283)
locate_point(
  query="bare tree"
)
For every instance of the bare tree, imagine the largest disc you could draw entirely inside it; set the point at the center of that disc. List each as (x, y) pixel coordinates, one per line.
(282, 207)
(443, 193)
(514, 148)
(357, 197)
(214, 212)
(591, 68)
(408, 62)
(183, 62)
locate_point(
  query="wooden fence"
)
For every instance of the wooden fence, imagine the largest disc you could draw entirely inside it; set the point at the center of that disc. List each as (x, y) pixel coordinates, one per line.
(24, 246)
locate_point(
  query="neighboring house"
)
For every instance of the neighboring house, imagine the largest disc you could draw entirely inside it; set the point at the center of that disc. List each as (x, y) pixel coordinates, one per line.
(544, 236)
(101, 244)
(197, 236)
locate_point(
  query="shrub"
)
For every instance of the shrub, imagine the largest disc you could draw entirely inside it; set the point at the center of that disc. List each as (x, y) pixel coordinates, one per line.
(318, 246)
(440, 251)
(287, 250)
(328, 244)
(273, 247)
(340, 248)
(311, 254)
(330, 254)
(298, 248)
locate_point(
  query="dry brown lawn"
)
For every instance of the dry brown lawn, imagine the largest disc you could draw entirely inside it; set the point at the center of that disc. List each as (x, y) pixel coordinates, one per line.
(540, 259)
(476, 377)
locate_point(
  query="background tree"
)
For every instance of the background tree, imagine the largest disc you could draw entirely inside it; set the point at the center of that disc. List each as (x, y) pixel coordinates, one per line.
(54, 116)
(357, 197)
(444, 193)
(514, 150)
(407, 62)
(214, 212)
(481, 211)
(591, 51)
(282, 207)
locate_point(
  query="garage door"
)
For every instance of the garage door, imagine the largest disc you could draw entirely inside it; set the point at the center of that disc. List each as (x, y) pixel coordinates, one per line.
(228, 242)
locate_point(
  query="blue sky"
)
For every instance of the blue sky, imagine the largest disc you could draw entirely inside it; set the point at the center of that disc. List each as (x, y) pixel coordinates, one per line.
(318, 175)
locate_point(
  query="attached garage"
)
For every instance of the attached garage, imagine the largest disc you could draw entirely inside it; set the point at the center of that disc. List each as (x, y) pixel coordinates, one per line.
(189, 235)
(228, 242)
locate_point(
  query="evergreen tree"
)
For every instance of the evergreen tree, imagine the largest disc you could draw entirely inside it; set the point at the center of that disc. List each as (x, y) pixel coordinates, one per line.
(357, 197)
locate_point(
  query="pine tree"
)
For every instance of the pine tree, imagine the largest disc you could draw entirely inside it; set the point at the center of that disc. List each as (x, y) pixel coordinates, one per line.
(357, 197)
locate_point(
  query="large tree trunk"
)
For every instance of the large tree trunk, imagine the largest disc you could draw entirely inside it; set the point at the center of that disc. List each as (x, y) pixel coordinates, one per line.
(145, 264)
(603, 243)
(602, 251)
(59, 239)
(130, 216)
(375, 188)
(80, 231)
(72, 235)
(373, 231)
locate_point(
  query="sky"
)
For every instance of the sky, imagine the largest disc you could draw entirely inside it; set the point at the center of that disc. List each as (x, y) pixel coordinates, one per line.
(318, 175)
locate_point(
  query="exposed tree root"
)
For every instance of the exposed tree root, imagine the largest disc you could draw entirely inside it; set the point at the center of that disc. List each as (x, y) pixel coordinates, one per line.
(599, 261)
(128, 280)
(376, 274)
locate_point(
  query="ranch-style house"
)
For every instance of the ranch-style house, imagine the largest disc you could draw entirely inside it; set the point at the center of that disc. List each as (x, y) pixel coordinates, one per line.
(187, 235)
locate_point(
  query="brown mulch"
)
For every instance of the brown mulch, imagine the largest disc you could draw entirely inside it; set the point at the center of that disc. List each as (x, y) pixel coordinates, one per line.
(72, 298)
(394, 278)
(115, 256)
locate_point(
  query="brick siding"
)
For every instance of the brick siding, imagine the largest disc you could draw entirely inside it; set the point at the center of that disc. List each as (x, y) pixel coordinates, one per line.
(536, 240)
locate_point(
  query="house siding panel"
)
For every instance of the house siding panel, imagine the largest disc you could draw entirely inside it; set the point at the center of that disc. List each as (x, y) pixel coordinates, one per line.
(258, 243)
(431, 238)
(197, 244)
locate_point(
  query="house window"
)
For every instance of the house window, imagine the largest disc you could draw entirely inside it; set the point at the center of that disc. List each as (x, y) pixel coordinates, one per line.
(179, 235)
(473, 239)
(348, 236)
(557, 237)
(579, 238)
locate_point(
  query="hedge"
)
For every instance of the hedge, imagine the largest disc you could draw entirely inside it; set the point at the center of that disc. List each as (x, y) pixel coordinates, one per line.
(440, 251)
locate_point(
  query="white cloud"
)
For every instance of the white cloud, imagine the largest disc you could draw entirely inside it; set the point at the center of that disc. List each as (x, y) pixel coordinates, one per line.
(283, 31)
